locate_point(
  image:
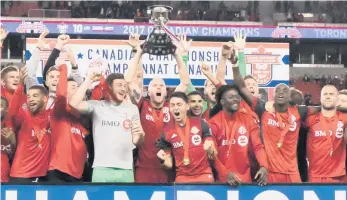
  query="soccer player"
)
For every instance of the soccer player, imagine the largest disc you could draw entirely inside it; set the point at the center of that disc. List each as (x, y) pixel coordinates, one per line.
(116, 129)
(326, 141)
(154, 114)
(195, 101)
(280, 129)
(69, 151)
(190, 141)
(235, 132)
(30, 163)
(8, 143)
(9, 81)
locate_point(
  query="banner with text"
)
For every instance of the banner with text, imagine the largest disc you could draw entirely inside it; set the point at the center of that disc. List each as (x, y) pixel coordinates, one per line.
(267, 62)
(178, 192)
(105, 27)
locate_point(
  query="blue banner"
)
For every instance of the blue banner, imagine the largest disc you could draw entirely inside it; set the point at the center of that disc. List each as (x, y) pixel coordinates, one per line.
(202, 30)
(178, 192)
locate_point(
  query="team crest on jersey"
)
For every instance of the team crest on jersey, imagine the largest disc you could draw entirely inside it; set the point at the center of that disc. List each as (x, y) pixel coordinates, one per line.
(126, 124)
(242, 130)
(196, 140)
(194, 130)
(165, 110)
(166, 118)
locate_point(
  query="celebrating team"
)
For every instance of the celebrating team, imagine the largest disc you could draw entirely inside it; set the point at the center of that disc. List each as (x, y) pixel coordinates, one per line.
(227, 134)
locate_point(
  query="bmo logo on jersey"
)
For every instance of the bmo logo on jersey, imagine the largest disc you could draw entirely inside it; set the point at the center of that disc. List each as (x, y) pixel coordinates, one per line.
(177, 144)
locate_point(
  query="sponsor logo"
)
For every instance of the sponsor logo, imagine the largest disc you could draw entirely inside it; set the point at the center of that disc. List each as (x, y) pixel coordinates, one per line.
(226, 142)
(177, 144)
(242, 140)
(196, 140)
(319, 133)
(110, 123)
(286, 32)
(77, 131)
(62, 27)
(31, 26)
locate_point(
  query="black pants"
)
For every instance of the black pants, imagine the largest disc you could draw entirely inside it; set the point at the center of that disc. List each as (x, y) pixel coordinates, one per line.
(16, 180)
(56, 176)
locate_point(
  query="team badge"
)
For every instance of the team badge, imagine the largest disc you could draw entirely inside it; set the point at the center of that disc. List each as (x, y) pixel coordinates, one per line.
(196, 140)
(242, 140)
(194, 130)
(242, 130)
(126, 124)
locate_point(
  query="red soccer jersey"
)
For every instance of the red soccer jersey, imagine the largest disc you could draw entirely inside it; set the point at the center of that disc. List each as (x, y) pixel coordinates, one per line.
(243, 133)
(33, 141)
(323, 163)
(6, 150)
(100, 91)
(199, 132)
(8, 95)
(147, 154)
(280, 159)
(69, 151)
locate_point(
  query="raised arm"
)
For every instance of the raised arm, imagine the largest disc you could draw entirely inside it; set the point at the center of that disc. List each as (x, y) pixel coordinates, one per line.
(206, 70)
(33, 63)
(61, 42)
(224, 55)
(240, 43)
(61, 99)
(133, 88)
(75, 73)
(182, 47)
(77, 100)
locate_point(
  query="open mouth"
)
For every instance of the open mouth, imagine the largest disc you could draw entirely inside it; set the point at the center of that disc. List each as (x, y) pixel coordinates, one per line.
(158, 94)
(280, 97)
(32, 104)
(176, 113)
(213, 93)
(252, 92)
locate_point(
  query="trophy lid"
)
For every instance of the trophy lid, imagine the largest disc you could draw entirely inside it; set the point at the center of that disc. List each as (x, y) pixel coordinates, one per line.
(160, 8)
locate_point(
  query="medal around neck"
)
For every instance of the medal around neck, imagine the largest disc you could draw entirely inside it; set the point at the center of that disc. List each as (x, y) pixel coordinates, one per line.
(186, 161)
(159, 42)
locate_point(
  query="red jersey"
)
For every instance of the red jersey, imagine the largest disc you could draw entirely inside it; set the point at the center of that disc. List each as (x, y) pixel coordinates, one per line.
(199, 132)
(326, 153)
(69, 151)
(33, 141)
(234, 136)
(9, 94)
(6, 150)
(280, 143)
(147, 154)
(100, 91)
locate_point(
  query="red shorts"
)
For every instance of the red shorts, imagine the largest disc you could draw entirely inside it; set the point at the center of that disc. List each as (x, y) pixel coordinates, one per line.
(151, 175)
(274, 177)
(340, 179)
(202, 178)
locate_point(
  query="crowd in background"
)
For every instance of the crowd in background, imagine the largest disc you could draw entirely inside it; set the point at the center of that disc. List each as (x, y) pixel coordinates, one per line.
(283, 11)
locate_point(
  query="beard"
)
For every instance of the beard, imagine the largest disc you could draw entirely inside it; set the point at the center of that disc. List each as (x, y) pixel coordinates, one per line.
(329, 107)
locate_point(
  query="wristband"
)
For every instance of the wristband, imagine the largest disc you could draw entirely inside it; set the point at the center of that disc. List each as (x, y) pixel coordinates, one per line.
(74, 67)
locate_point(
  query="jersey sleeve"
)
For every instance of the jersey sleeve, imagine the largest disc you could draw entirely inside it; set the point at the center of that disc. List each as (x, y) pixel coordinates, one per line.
(215, 110)
(258, 106)
(303, 112)
(257, 145)
(206, 131)
(61, 101)
(136, 113)
(163, 143)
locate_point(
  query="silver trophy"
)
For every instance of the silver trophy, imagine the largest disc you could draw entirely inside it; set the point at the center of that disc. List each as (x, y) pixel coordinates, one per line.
(159, 42)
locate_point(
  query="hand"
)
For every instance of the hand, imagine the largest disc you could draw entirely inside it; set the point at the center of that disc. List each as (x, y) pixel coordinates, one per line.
(71, 56)
(62, 41)
(23, 74)
(41, 41)
(227, 49)
(240, 40)
(134, 41)
(261, 176)
(269, 106)
(94, 74)
(233, 58)
(233, 179)
(136, 128)
(205, 69)
(3, 34)
(182, 45)
(161, 154)
(210, 149)
(9, 135)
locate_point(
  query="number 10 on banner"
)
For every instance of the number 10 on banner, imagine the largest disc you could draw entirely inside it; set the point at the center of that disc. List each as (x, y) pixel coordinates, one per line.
(77, 28)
